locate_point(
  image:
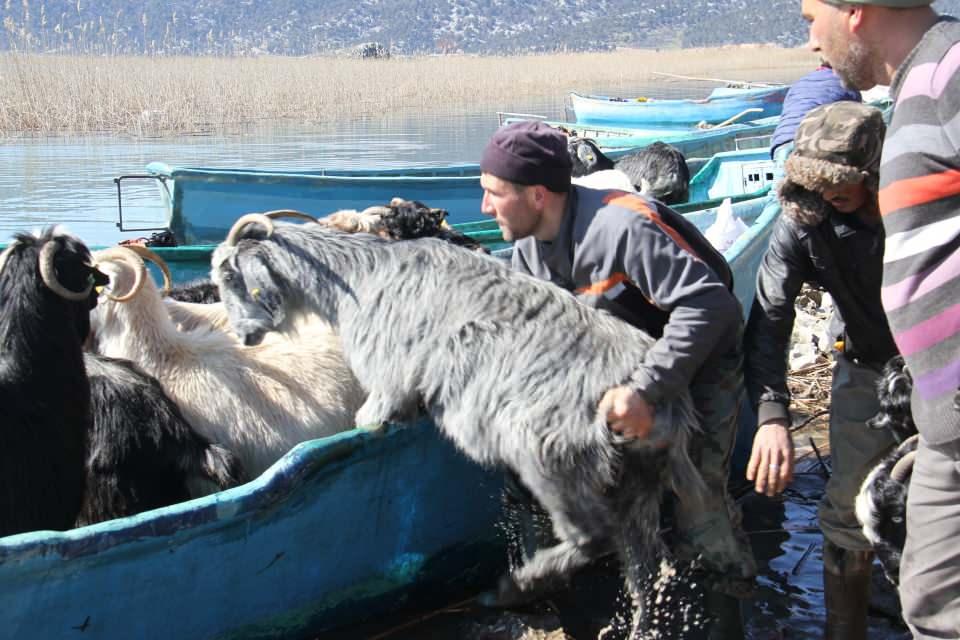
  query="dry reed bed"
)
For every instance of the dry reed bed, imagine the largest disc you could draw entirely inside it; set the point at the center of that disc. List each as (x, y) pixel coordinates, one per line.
(45, 93)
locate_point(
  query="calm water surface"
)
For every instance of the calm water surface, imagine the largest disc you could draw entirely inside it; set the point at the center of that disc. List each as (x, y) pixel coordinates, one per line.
(70, 180)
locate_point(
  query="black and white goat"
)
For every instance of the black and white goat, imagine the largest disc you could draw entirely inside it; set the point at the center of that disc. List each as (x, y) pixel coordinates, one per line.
(46, 292)
(659, 170)
(142, 453)
(881, 505)
(512, 369)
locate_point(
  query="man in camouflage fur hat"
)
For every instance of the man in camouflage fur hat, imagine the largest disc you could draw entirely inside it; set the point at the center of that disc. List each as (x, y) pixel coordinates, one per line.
(829, 235)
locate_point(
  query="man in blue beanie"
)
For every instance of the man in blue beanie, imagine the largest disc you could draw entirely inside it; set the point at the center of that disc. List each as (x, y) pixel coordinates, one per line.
(906, 44)
(648, 265)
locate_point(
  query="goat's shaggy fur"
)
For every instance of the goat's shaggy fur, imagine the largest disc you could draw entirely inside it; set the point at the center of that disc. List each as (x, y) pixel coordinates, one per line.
(43, 383)
(658, 170)
(510, 368)
(257, 402)
(142, 453)
(881, 505)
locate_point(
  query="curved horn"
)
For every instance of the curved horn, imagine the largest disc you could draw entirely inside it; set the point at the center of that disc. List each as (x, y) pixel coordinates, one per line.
(132, 260)
(6, 254)
(147, 254)
(289, 213)
(904, 467)
(251, 218)
(48, 272)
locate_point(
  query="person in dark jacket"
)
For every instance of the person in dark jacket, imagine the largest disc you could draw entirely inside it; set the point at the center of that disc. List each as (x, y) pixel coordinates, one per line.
(821, 86)
(645, 263)
(830, 235)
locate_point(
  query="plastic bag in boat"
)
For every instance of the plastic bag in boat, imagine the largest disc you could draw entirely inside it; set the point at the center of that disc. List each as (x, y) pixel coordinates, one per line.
(727, 227)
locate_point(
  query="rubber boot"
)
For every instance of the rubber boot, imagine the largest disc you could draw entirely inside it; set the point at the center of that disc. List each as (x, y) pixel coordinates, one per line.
(726, 618)
(846, 592)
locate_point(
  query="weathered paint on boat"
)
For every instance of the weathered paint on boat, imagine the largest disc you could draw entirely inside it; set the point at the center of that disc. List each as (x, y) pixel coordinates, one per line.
(337, 532)
(622, 112)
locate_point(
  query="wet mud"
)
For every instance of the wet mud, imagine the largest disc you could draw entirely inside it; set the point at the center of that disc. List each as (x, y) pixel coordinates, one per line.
(787, 603)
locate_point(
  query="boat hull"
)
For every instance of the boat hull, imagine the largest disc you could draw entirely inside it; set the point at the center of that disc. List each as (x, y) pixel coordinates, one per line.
(339, 531)
(202, 204)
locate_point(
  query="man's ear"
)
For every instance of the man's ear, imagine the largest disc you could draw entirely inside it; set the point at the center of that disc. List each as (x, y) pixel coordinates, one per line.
(855, 17)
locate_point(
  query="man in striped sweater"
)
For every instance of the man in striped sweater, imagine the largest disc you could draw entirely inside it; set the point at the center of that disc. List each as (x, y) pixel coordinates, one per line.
(906, 44)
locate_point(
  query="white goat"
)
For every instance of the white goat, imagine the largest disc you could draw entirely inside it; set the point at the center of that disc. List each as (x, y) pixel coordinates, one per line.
(259, 402)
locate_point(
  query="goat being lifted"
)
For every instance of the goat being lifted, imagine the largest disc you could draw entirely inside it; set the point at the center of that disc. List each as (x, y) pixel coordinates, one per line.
(46, 288)
(881, 505)
(510, 368)
(258, 402)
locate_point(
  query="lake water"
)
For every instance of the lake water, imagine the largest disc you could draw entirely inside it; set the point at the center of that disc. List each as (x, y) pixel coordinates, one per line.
(69, 180)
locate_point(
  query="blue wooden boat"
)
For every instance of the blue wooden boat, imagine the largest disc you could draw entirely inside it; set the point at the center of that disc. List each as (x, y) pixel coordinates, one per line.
(200, 204)
(692, 141)
(716, 108)
(339, 531)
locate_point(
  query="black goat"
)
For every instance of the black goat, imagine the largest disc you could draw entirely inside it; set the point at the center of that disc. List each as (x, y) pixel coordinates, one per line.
(197, 291)
(659, 170)
(142, 453)
(47, 290)
(881, 506)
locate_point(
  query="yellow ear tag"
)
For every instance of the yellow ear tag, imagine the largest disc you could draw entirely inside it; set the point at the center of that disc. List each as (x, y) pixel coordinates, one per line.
(255, 292)
(99, 289)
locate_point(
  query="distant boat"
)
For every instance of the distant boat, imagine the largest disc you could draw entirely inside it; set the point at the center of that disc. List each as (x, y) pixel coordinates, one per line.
(691, 140)
(719, 106)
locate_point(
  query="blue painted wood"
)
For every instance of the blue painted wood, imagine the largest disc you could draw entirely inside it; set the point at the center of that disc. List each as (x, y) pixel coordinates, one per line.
(691, 140)
(607, 110)
(338, 531)
(202, 203)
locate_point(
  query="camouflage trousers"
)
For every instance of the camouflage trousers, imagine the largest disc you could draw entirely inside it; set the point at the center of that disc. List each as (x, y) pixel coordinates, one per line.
(712, 534)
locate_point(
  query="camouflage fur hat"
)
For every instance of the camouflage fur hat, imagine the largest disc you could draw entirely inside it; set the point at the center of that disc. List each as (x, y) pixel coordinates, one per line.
(837, 143)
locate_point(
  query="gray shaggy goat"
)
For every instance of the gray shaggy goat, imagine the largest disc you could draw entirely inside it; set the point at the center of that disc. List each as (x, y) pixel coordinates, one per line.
(512, 369)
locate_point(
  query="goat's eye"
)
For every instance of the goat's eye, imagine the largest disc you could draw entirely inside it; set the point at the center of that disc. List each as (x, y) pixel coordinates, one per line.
(91, 278)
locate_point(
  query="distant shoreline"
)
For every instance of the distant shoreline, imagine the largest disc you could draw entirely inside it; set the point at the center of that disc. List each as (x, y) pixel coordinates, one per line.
(47, 94)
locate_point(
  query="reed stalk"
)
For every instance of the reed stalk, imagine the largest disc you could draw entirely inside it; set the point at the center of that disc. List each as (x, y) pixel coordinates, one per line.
(150, 94)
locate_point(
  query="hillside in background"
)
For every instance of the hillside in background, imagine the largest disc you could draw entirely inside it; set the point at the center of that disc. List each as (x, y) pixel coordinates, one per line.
(307, 27)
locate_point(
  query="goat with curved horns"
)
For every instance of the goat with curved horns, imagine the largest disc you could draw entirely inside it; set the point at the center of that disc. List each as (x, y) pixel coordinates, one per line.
(510, 368)
(259, 402)
(46, 285)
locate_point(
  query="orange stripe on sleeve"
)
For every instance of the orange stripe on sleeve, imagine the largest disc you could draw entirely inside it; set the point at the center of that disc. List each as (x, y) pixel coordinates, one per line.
(597, 288)
(639, 205)
(921, 190)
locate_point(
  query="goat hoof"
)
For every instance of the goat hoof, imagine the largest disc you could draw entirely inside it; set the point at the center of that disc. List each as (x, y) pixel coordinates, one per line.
(375, 428)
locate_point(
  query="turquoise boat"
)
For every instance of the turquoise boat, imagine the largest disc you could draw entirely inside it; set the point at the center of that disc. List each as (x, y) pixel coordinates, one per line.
(340, 531)
(716, 108)
(692, 141)
(200, 204)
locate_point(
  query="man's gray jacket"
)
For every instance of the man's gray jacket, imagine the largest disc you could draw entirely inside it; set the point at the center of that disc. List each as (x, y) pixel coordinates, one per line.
(648, 265)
